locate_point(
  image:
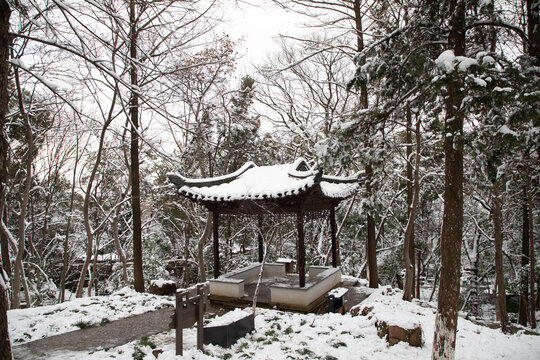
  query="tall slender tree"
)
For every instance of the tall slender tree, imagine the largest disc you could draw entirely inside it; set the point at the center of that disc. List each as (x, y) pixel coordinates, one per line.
(5, 14)
(134, 152)
(444, 341)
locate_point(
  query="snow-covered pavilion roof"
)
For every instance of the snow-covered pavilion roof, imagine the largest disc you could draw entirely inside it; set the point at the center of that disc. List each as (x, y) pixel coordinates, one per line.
(266, 183)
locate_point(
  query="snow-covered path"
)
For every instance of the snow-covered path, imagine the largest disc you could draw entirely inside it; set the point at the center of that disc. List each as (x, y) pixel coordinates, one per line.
(106, 336)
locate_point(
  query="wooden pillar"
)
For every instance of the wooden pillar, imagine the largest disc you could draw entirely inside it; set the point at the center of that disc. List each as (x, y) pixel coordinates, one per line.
(333, 237)
(301, 248)
(216, 243)
(260, 238)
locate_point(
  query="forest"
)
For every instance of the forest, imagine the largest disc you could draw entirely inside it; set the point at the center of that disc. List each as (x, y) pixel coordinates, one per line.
(436, 102)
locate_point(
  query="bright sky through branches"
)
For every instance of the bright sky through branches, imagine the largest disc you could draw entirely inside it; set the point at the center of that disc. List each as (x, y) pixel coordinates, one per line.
(255, 26)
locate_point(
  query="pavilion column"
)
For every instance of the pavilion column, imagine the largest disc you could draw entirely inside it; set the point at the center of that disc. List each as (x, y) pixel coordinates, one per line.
(301, 256)
(215, 220)
(333, 237)
(260, 237)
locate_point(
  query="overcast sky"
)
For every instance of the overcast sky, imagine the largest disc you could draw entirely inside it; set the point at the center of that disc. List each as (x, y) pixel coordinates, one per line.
(258, 23)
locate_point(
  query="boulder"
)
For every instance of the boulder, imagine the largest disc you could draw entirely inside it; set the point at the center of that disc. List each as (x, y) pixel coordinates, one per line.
(359, 310)
(162, 287)
(395, 334)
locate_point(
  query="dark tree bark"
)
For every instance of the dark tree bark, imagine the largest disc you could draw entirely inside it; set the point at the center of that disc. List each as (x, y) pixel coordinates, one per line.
(408, 244)
(499, 275)
(215, 227)
(5, 13)
(444, 341)
(186, 255)
(134, 153)
(5, 344)
(301, 255)
(532, 280)
(410, 195)
(524, 281)
(371, 241)
(5, 41)
(533, 30)
(533, 49)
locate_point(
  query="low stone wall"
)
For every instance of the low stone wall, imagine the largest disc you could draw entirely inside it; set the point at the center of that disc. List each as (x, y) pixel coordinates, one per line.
(320, 281)
(233, 288)
(273, 270)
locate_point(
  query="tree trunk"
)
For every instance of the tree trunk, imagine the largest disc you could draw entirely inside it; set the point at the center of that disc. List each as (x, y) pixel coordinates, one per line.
(200, 246)
(533, 30)
(409, 231)
(5, 41)
(87, 196)
(410, 195)
(68, 225)
(5, 343)
(444, 341)
(186, 256)
(524, 272)
(19, 271)
(499, 275)
(533, 50)
(532, 280)
(94, 269)
(118, 245)
(5, 13)
(471, 275)
(371, 241)
(135, 175)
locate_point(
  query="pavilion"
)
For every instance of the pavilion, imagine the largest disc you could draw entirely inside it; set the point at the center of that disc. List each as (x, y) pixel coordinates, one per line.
(293, 189)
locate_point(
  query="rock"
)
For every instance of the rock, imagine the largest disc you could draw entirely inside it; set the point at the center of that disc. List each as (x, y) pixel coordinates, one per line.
(395, 334)
(366, 310)
(382, 328)
(415, 338)
(156, 352)
(358, 310)
(162, 287)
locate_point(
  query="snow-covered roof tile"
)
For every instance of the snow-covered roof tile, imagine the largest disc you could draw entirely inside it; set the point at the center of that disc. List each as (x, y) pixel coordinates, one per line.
(252, 182)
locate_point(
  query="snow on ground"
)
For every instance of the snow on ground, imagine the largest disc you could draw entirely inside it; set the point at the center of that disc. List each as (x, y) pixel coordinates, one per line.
(40, 322)
(283, 335)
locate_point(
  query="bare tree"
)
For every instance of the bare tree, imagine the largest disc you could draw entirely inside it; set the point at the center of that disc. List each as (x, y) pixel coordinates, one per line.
(5, 13)
(87, 197)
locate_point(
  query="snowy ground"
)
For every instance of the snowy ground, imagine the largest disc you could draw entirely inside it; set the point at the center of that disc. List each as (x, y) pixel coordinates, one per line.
(40, 322)
(281, 335)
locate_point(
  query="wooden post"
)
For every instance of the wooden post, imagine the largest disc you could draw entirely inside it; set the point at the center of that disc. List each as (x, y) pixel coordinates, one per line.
(188, 312)
(333, 237)
(216, 244)
(301, 248)
(260, 238)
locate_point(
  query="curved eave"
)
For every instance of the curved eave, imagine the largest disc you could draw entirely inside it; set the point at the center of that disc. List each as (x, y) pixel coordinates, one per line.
(181, 181)
(338, 191)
